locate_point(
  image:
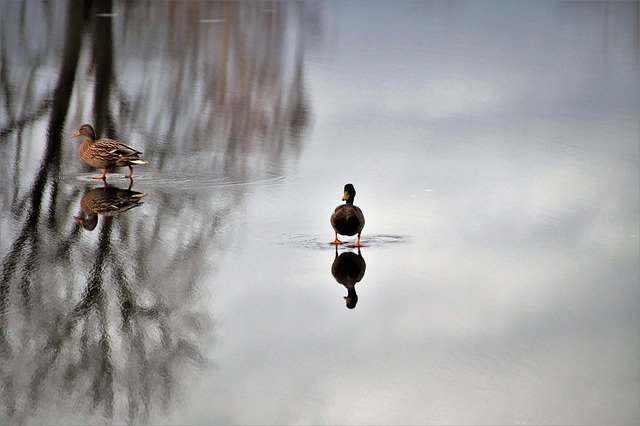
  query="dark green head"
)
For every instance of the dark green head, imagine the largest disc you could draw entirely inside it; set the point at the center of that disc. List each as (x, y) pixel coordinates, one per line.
(349, 193)
(351, 300)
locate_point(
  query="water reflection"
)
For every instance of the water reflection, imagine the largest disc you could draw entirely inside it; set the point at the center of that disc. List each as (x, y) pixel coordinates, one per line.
(109, 324)
(348, 269)
(108, 201)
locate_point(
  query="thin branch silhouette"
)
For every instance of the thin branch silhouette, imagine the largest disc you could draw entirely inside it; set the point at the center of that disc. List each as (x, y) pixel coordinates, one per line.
(112, 314)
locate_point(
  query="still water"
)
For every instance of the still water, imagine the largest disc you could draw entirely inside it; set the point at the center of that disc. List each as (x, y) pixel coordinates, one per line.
(494, 147)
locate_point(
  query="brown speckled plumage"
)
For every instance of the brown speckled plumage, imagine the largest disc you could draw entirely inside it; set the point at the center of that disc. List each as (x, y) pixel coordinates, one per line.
(106, 153)
(107, 201)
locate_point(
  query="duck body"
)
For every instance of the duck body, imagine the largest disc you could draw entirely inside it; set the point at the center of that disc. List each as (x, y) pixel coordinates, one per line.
(107, 202)
(347, 219)
(348, 269)
(106, 153)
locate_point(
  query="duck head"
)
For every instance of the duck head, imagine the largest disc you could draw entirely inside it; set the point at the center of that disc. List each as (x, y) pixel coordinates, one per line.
(349, 193)
(85, 130)
(87, 220)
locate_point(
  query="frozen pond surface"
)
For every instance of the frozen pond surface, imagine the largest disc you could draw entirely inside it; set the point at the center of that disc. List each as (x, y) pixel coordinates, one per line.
(495, 150)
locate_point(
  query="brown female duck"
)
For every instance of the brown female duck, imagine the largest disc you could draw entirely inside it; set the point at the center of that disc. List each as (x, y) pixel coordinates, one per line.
(347, 219)
(106, 153)
(108, 201)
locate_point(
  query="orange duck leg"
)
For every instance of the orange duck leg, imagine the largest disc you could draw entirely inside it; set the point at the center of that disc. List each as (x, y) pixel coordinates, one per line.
(103, 177)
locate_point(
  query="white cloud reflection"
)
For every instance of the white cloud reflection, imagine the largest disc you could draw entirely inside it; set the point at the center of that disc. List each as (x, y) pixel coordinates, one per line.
(514, 299)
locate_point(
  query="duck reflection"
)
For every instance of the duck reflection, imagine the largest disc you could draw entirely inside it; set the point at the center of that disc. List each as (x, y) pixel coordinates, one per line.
(348, 269)
(106, 201)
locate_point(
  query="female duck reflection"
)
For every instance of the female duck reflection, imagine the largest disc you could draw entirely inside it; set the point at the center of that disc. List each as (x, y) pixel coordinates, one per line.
(348, 269)
(106, 201)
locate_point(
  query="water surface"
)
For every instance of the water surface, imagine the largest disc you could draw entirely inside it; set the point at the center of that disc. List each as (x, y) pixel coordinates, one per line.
(494, 147)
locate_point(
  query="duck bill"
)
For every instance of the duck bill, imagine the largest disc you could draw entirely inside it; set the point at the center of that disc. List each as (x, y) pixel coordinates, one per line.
(76, 134)
(345, 196)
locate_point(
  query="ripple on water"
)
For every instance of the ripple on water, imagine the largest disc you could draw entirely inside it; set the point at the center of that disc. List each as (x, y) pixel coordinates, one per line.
(188, 182)
(316, 243)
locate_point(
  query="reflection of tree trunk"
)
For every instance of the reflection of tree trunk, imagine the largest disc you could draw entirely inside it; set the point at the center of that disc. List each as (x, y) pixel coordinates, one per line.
(103, 388)
(50, 165)
(221, 104)
(26, 244)
(102, 50)
(130, 322)
(66, 80)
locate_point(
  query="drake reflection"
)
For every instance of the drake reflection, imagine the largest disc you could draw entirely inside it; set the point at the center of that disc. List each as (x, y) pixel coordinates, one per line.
(348, 269)
(107, 201)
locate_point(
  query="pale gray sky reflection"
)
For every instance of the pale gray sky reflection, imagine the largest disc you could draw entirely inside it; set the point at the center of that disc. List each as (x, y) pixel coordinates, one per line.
(495, 150)
(502, 138)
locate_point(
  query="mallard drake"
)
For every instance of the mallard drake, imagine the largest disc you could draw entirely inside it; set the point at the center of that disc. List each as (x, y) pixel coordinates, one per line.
(348, 269)
(347, 219)
(106, 153)
(108, 201)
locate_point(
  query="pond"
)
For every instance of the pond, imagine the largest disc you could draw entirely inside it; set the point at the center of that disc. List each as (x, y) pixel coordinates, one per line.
(495, 151)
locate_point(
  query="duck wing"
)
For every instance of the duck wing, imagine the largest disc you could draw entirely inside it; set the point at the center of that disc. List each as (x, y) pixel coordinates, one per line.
(116, 152)
(347, 219)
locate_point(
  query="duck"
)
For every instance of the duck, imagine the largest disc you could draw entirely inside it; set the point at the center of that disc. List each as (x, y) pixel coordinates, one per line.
(108, 202)
(347, 219)
(348, 269)
(106, 153)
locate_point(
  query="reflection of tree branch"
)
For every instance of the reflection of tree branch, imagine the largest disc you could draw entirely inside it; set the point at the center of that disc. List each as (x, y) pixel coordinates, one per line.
(27, 238)
(17, 125)
(14, 124)
(103, 388)
(93, 297)
(127, 320)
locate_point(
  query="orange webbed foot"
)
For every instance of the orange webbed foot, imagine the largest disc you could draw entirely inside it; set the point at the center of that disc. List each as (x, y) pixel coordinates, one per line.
(357, 244)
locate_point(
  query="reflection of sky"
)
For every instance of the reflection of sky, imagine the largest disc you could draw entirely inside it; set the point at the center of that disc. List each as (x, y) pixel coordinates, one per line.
(502, 140)
(499, 138)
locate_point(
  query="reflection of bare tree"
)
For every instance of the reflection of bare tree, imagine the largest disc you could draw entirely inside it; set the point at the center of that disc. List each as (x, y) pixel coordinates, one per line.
(104, 324)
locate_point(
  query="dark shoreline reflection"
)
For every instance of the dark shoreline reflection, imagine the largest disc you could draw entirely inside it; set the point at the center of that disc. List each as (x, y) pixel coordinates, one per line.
(107, 326)
(348, 269)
